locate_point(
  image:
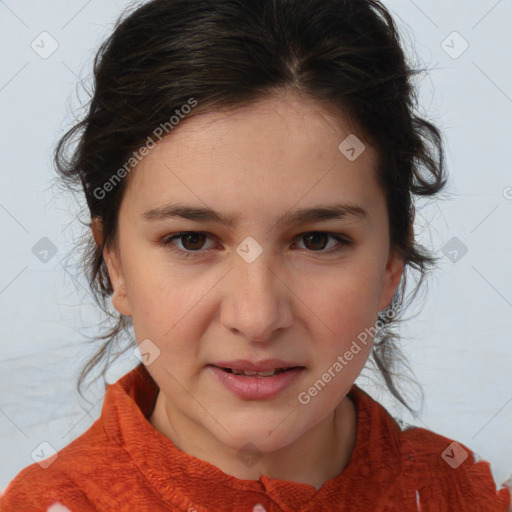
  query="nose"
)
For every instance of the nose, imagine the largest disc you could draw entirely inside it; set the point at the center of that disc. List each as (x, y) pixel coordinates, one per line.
(257, 300)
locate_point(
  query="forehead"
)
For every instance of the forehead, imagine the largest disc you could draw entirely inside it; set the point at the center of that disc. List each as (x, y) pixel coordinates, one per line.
(270, 154)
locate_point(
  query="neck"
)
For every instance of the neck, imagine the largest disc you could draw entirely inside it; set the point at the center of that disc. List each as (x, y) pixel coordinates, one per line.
(318, 455)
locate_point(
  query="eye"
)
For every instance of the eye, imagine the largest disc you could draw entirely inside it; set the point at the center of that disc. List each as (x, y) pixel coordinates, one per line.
(192, 242)
(316, 241)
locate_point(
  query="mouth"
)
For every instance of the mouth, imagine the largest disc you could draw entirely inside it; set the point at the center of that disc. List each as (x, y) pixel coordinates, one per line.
(263, 380)
(252, 373)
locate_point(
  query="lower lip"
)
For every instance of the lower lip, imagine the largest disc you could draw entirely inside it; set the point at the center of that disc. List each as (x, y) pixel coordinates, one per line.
(257, 388)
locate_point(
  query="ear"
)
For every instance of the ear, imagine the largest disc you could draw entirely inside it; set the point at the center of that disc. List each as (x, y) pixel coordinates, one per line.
(115, 269)
(97, 230)
(392, 275)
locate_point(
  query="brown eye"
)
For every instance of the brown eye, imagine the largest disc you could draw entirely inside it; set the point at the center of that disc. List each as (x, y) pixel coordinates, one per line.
(187, 243)
(192, 241)
(316, 241)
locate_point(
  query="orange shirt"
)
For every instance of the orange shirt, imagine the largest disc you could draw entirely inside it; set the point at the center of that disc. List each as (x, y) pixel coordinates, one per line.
(122, 463)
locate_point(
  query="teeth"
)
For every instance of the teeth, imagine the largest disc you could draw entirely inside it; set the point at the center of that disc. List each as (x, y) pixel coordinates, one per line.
(250, 373)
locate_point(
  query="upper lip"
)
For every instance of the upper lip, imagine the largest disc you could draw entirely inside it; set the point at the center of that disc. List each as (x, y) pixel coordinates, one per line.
(259, 366)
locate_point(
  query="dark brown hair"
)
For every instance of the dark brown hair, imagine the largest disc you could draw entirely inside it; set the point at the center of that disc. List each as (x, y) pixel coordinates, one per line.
(225, 54)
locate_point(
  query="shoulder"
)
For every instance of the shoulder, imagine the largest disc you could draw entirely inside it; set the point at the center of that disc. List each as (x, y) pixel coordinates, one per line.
(66, 480)
(97, 470)
(36, 491)
(449, 474)
(437, 473)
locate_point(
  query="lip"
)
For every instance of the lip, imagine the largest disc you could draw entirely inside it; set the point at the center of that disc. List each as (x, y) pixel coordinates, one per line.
(257, 388)
(265, 365)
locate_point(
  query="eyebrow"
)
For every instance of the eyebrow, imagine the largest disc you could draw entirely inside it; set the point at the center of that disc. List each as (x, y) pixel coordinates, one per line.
(340, 211)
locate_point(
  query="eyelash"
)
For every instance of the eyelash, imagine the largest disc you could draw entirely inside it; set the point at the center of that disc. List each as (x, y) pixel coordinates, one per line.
(344, 243)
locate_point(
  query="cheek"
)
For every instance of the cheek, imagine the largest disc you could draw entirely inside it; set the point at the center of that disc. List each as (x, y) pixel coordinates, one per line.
(347, 301)
(168, 309)
(344, 313)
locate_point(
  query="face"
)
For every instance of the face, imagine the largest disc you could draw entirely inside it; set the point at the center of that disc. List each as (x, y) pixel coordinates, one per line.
(270, 284)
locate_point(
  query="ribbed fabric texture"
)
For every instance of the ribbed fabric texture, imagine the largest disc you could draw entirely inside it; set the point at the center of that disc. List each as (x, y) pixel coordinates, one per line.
(122, 463)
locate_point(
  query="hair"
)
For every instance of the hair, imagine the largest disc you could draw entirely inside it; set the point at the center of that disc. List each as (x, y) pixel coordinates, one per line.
(225, 54)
